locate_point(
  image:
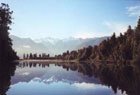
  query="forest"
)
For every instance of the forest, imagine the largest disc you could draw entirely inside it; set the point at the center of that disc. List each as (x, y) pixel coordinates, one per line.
(116, 48)
(6, 51)
(125, 47)
(77, 71)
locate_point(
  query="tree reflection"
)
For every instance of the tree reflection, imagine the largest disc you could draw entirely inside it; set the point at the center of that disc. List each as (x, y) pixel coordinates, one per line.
(125, 77)
(6, 71)
(122, 76)
(33, 64)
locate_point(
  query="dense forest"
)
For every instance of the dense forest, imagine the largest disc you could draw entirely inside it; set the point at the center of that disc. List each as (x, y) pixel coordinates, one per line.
(6, 51)
(120, 48)
(116, 48)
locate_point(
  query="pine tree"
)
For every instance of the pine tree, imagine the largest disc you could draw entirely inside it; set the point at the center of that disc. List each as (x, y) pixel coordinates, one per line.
(6, 51)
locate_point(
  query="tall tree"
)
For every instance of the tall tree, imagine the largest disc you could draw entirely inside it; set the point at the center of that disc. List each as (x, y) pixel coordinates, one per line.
(6, 51)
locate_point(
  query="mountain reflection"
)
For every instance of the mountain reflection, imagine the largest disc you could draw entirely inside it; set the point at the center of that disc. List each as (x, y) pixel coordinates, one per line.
(44, 72)
(6, 71)
(123, 78)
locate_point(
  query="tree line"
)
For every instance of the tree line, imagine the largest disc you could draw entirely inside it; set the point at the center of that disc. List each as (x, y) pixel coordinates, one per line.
(116, 48)
(6, 51)
(124, 47)
(36, 56)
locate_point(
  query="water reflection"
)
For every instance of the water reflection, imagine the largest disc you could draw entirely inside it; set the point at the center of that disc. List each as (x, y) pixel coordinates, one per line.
(6, 71)
(125, 77)
(69, 79)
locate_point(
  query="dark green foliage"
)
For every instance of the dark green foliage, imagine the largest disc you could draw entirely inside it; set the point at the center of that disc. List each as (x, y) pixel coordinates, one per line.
(6, 51)
(121, 48)
(36, 56)
(125, 77)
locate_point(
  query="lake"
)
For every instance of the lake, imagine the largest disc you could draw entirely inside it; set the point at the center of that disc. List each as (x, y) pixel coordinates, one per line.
(40, 78)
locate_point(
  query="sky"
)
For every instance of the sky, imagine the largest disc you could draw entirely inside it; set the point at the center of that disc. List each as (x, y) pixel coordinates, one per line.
(72, 18)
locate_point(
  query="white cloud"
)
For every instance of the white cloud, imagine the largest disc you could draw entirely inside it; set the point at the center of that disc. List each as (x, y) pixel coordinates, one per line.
(116, 27)
(25, 73)
(86, 32)
(84, 85)
(84, 35)
(133, 10)
(90, 86)
(26, 46)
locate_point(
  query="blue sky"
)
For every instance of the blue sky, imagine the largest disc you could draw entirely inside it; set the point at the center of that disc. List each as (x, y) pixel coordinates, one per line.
(72, 18)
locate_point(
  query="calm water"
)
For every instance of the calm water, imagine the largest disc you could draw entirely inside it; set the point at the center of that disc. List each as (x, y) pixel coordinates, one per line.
(51, 79)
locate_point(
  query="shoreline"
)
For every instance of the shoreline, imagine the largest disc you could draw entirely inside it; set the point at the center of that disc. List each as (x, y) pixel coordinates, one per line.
(60, 61)
(46, 60)
(71, 61)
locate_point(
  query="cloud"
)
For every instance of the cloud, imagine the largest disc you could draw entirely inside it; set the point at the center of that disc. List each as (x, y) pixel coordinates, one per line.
(116, 27)
(86, 32)
(84, 35)
(25, 73)
(26, 46)
(133, 10)
(84, 85)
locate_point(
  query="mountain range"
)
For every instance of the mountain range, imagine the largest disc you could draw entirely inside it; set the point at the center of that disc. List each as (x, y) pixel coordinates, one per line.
(51, 46)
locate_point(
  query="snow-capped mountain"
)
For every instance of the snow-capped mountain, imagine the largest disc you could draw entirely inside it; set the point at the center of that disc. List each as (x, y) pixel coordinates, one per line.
(27, 45)
(51, 46)
(61, 45)
(47, 40)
